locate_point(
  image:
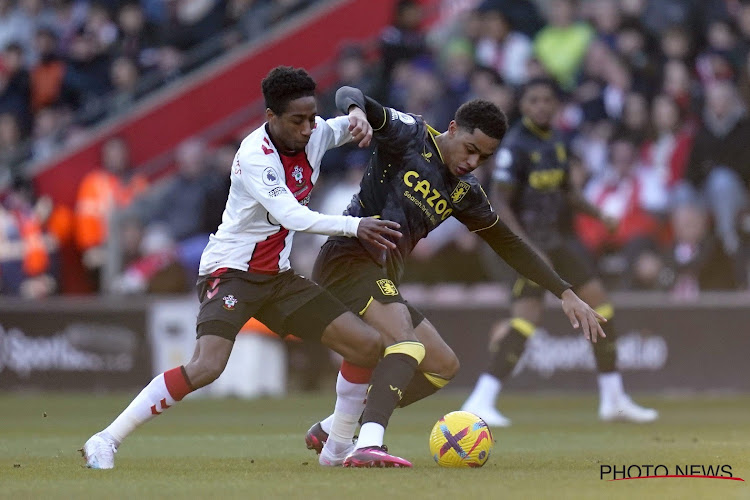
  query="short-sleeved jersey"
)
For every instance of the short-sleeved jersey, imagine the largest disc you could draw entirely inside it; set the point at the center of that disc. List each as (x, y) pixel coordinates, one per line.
(268, 199)
(407, 182)
(535, 163)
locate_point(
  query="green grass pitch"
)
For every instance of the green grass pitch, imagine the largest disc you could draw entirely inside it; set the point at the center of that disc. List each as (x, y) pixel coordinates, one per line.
(254, 449)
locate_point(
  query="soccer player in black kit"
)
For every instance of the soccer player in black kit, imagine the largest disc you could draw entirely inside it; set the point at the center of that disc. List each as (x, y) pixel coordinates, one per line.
(531, 175)
(417, 177)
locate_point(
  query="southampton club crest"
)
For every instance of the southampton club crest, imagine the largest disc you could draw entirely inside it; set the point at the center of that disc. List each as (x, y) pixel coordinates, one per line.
(229, 302)
(297, 174)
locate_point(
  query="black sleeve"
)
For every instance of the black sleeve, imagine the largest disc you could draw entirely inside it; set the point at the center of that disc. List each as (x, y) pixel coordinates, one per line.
(521, 257)
(392, 130)
(347, 97)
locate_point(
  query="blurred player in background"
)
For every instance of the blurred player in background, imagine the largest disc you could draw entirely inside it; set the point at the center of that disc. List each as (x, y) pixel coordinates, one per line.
(245, 270)
(417, 177)
(533, 197)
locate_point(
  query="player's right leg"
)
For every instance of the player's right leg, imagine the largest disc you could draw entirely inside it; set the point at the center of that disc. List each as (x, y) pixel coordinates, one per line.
(507, 345)
(164, 391)
(220, 318)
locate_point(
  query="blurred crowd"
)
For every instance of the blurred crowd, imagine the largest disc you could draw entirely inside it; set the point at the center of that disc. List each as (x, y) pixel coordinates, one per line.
(67, 64)
(653, 104)
(654, 108)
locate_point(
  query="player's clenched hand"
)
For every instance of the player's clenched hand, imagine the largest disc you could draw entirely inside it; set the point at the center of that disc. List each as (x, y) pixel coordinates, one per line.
(377, 232)
(360, 128)
(580, 314)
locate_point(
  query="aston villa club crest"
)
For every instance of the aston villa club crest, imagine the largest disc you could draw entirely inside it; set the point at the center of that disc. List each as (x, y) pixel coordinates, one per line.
(460, 191)
(229, 302)
(298, 175)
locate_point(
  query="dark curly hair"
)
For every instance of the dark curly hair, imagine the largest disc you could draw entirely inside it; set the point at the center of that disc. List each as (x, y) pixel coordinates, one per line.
(483, 115)
(284, 84)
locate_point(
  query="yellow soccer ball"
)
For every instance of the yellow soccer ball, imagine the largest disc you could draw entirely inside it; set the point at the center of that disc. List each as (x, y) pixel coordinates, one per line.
(461, 439)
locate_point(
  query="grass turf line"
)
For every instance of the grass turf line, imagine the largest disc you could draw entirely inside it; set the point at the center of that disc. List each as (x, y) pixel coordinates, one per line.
(255, 449)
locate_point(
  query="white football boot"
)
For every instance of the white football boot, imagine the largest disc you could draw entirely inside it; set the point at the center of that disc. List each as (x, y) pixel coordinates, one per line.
(328, 458)
(623, 408)
(99, 452)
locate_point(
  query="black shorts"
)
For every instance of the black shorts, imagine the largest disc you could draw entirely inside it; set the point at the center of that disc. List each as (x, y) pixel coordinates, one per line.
(345, 269)
(572, 262)
(286, 303)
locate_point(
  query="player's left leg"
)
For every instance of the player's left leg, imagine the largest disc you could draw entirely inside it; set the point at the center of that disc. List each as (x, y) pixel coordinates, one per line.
(390, 378)
(438, 367)
(614, 403)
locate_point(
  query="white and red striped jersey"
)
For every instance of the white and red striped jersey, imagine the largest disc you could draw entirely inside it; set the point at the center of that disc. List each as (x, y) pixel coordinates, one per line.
(268, 201)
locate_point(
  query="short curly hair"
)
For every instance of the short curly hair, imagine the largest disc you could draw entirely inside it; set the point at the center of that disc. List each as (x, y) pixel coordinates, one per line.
(483, 115)
(284, 84)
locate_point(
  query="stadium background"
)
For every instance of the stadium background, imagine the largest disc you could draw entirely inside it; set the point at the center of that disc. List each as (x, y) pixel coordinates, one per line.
(119, 120)
(113, 178)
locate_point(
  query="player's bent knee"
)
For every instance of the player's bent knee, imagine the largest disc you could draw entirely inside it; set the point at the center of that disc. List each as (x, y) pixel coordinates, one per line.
(451, 368)
(357, 342)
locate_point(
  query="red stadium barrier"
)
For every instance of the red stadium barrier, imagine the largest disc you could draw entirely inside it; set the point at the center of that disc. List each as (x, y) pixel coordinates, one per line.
(217, 92)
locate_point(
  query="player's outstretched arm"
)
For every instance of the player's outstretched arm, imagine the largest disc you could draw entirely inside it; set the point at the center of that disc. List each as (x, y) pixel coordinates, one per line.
(521, 257)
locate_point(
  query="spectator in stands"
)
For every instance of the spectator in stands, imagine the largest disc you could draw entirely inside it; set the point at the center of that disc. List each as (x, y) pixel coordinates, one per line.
(220, 165)
(137, 39)
(696, 258)
(48, 73)
(675, 43)
(190, 22)
(111, 187)
(181, 204)
(523, 15)
(352, 70)
(678, 84)
(14, 28)
(718, 167)
(666, 152)
(632, 44)
(501, 48)
(723, 55)
(660, 16)
(156, 268)
(37, 15)
(124, 78)
(636, 117)
(606, 18)
(47, 134)
(87, 74)
(561, 45)
(15, 87)
(426, 96)
(628, 194)
(403, 40)
(12, 151)
(100, 27)
(28, 260)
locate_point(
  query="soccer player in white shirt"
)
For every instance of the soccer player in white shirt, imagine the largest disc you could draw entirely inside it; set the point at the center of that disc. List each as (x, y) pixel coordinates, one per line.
(245, 270)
